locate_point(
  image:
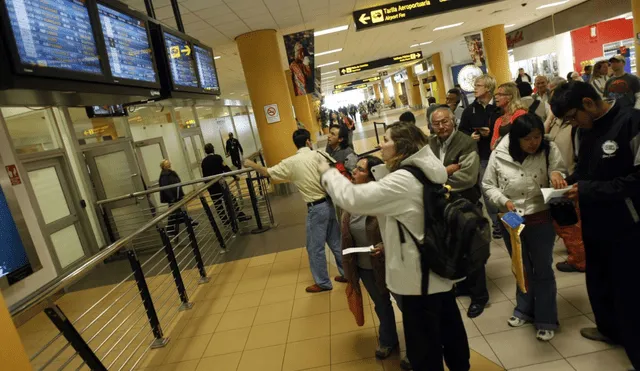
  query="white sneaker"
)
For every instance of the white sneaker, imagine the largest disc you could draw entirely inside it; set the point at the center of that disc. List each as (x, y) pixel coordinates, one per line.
(545, 335)
(516, 322)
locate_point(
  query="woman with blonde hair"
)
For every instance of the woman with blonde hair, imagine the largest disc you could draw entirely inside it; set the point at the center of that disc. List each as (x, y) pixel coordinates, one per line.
(432, 322)
(507, 98)
(600, 76)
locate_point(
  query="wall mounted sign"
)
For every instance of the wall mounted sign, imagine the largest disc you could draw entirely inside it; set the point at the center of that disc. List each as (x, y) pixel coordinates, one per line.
(272, 113)
(356, 82)
(300, 49)
(407, 10)
(408, 57)
(353, 87)
(429, 80)
(14, 176)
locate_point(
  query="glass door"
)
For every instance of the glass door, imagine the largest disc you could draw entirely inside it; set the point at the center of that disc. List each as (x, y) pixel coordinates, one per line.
(150, 153)
(194, 145)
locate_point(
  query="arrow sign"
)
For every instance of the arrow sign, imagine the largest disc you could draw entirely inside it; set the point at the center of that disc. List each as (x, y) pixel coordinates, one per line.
(403, 58)
(186, 50)
(364, 18)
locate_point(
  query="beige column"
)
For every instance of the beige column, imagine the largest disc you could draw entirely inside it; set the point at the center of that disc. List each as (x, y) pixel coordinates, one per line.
(635, 10)
(376, 90)
(413, 89)
(398, 91)
(440, 94)
(495, 46)
(385, 93)
(12, 353)
(301, 107)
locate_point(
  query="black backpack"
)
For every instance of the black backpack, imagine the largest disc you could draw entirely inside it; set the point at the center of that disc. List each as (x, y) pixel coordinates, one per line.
(457, 237)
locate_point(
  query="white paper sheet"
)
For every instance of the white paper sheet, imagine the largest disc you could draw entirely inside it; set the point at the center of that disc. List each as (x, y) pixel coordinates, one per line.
(549, 193)
(354, 250)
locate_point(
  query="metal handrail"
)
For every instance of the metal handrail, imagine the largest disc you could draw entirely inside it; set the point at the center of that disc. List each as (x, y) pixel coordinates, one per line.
(69, 278)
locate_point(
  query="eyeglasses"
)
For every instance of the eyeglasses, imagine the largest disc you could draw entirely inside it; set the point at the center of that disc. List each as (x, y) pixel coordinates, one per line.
(478, 85)
(437, 124)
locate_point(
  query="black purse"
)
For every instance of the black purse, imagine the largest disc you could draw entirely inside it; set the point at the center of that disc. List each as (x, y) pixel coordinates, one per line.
(563, 211)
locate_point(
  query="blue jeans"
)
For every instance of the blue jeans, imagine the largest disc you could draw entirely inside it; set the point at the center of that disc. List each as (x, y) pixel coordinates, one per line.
(383, 307)
(491, 210)
(539, 305)
(322, 227)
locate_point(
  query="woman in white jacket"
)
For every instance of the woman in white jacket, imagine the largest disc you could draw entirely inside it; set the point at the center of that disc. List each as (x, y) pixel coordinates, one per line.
(522, 164)
(432, 321)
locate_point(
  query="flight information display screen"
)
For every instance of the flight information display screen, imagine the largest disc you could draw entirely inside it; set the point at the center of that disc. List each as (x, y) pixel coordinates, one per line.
(206, 69)
(128, 47)
(181, 61)
(54, 34)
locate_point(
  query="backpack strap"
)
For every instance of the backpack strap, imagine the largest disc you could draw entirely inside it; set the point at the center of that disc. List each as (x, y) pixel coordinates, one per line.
(534, 106)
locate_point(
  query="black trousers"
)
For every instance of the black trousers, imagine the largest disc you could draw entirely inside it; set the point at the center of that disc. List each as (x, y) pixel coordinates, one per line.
(476, 287)
(434, 330)
(235, 160)
(614, 288)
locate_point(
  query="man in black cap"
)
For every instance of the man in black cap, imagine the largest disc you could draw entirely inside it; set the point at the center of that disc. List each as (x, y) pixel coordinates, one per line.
(622, 87)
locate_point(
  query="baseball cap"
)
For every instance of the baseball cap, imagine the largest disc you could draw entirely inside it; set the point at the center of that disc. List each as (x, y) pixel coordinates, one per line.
(619, 58)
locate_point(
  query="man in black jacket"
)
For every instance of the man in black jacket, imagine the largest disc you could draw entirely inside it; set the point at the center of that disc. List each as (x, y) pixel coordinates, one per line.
(213, 164)
(606, 182)
(234, 149)
(477, 121)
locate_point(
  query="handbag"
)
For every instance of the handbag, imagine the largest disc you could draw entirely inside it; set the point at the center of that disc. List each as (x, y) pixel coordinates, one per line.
(354, 298)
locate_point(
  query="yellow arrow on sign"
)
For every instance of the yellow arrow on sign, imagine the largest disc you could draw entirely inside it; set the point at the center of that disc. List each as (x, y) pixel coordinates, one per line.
(186, 50)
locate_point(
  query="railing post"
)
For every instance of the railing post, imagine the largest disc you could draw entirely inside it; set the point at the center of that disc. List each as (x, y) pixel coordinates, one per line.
(212, 221)
(175, 270)
(264, 186)
(160, 341)
(231, 210)
(74, 338)
(254, 204)
(196, 249)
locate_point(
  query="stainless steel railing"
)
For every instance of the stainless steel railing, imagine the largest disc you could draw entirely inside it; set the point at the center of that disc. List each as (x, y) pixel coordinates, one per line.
(115, 315)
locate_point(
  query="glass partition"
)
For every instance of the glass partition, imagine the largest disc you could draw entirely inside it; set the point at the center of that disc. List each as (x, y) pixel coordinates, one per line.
(98, 129)
(215, 123)
(31, 130)
(256, 135)
(185, 118)
(243, 129)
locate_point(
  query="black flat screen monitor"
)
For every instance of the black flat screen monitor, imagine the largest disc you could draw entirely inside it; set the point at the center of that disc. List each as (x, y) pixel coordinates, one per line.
(206, 69)
(106, 111)
(182, 64)
(53, 38)
(127, 40)
(13, 256)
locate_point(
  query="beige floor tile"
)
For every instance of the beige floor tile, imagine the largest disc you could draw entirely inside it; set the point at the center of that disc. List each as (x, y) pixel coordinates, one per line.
(261, 271)
(566, 309)
(307, 354)
(244, 300)
(519, 348)
(304, 261)
(264, 359)
(278, 294)
(370, 364)
(354, 345)
(270, 334)
(339, 298)
(343, 321)
(208, 307)
(480, 363)
(561, 365)
(309, 327)
(479, 344)
(494, 319)
(282, 279)
(569, 342)
(507, 285)
(273, 312)
(592, 317)
(262, 260)
(201, 326)
(182, 366)
(312, 305)
(234, 266)
(609, 360)
(226, 362)
(221, 290)
(301, 293)
(578, 297)
(499, 268)
(289, 254)
(155, 357)
(254, 284)
(187, 349)
(323, 368)
(237, 319)
(227, 342)
(229, 277)
(469, 326)
(286, 266)
(304, 274)
(495, 295)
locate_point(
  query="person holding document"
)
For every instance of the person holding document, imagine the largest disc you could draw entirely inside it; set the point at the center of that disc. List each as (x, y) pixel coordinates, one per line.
(523, 164)
(607, 184)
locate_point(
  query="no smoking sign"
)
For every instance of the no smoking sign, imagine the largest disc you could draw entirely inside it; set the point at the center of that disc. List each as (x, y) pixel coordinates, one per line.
(272, 113)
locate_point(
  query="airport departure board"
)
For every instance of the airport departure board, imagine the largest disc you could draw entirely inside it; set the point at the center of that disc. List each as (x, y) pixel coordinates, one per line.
(181, 61)
(206, 69)
(54, 34)
(128, 47)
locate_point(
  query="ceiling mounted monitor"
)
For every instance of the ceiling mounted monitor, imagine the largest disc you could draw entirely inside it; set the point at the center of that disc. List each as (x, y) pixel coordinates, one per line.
(128, 44)
(182, 63)
(206, 69)
(53, 38)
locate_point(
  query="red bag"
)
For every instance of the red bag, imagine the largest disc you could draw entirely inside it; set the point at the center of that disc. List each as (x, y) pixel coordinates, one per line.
(354, 298)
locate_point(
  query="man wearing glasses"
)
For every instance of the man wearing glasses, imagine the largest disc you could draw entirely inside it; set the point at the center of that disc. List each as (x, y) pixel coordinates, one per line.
(607, 183)
(459, 154)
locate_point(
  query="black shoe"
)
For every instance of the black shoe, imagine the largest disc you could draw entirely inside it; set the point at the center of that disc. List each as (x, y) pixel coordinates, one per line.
(243, 217)
(405, 364)
(475, 310)
(497, 235)
(566, 267)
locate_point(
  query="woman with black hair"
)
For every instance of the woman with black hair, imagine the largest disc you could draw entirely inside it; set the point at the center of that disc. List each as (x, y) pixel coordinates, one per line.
(522, 164)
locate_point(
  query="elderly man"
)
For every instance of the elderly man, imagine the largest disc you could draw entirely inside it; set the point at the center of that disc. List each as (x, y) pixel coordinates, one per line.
(542, 89)
(459, 153)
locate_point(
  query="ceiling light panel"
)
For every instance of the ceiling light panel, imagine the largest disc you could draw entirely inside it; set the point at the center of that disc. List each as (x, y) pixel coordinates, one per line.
(328, 52)
(448, 26)
(551, 5)
(331, 30)
(328, 64)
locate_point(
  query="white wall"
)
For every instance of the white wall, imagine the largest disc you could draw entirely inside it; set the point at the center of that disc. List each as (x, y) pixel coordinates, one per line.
(456, 53)
(564, 51)
(536, 49)
(38, 279)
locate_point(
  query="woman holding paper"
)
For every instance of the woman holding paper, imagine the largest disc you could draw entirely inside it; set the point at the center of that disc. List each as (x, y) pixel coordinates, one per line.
(432, 322)
(368, 267)
(522, 164)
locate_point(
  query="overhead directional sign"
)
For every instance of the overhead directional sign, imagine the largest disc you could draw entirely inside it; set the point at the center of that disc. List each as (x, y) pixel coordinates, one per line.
(414, 56)
(407, 10)
(354, 87)
(356, 82)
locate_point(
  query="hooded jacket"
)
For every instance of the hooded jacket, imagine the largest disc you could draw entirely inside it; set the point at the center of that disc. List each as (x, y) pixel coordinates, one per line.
(396, 197)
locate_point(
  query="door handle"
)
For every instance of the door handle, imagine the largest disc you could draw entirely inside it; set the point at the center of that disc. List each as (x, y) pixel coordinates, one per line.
(134, 175)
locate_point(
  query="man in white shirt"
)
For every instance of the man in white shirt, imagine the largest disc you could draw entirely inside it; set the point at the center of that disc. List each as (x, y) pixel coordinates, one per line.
(322, 226)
